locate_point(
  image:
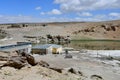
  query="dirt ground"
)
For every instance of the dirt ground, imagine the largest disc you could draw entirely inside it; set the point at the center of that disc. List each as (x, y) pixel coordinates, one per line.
(87, 65)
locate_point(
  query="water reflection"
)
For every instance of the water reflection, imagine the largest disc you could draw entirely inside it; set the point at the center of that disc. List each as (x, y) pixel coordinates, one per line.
(91, 45)
(95, 45)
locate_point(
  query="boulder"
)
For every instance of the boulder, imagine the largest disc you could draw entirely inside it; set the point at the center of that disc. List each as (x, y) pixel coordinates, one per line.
(20, 61)
(16, 62)
(31, 59)
(74, 71)
(113, 28)
(57, 69)
(71, 70)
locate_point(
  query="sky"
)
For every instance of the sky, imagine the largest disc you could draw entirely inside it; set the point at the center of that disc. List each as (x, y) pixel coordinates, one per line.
(17, 11)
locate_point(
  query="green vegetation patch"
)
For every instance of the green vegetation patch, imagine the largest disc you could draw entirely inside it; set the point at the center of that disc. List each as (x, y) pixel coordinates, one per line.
(95, 40)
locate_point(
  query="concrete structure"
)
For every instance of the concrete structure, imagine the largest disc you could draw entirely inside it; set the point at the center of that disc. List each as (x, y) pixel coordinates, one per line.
(56, 49)
(47, 49)
(19, 47)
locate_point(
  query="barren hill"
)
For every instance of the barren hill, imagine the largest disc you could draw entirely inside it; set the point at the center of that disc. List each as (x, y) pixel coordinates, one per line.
(91, 30)
(108, 30)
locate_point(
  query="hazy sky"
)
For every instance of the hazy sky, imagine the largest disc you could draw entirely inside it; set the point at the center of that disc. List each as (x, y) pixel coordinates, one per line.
(58, 10)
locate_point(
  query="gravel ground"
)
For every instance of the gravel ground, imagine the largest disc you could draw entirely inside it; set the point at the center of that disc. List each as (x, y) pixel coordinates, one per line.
(86, 64)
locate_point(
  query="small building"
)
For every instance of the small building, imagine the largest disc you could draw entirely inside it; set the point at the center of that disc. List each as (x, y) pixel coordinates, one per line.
(56, 49)
(47, 49)
(25, 47)
(20, 47)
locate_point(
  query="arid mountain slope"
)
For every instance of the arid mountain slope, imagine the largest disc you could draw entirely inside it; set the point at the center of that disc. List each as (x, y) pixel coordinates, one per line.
(92, 30)
(109, 30)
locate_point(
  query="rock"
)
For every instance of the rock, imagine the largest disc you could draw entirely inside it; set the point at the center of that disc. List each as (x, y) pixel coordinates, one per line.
(57, 69)
(96, 77)
(68, 56)
(104, 26)
(113, 28)
(109, 27)
(2, 58)
(74, 71)
(16, 62)
(21, 61)
(80, 73)
(71, 70)
(31, 60)
(43, 64)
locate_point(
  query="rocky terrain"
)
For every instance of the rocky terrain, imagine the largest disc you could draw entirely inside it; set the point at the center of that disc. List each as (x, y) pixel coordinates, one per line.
(80, 66)
(24, 68)
(108, 30)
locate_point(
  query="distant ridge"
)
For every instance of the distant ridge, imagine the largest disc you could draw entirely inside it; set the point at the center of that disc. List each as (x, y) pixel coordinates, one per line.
(58, 22)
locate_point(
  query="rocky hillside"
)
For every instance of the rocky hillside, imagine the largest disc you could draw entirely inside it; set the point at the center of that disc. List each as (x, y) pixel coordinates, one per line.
(98, 31)
(16, 68)
(107, 30)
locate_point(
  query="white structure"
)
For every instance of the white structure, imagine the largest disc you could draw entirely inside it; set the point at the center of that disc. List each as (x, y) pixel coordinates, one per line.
(19, 47)
(46, 49)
